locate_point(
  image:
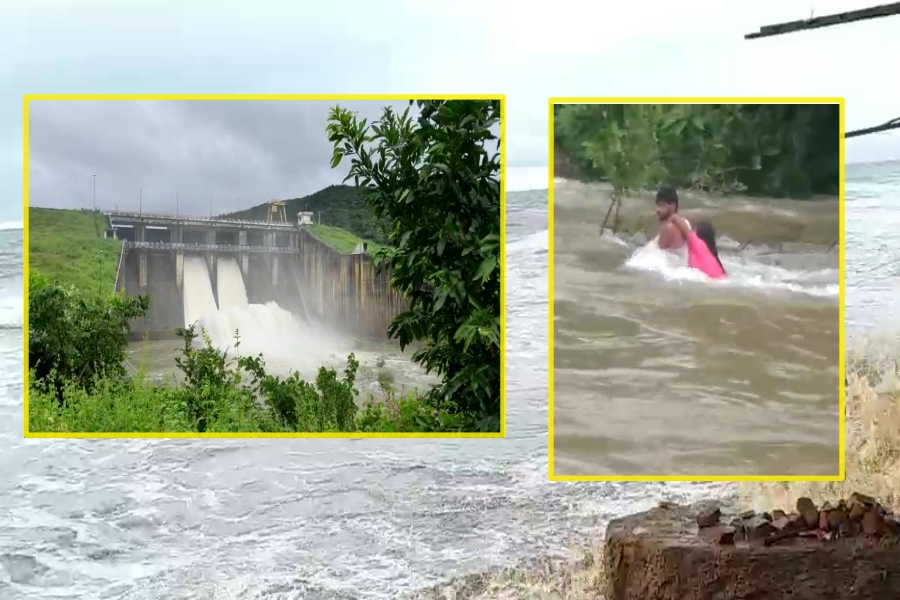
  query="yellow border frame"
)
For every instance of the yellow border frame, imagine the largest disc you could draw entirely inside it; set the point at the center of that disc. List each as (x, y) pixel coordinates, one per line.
(295, 97)
(842, 391)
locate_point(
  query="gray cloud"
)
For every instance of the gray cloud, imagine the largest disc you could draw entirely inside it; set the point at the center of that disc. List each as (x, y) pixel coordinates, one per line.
(237, 153)
(647, 48)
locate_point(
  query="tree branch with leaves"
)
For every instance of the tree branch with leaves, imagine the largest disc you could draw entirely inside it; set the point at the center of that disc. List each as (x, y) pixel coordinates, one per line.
(435, 177)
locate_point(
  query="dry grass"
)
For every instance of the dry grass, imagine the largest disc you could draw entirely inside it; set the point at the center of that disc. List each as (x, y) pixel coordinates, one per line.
(579, 576)
(872, 440)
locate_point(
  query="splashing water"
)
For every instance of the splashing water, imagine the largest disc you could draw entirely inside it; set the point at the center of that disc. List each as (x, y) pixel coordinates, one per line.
(744, 270)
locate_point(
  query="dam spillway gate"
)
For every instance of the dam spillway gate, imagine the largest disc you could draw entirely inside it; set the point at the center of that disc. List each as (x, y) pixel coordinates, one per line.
(279, 262)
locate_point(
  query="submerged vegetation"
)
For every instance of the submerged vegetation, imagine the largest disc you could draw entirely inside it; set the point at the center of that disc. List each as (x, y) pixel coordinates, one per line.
(776, 150)
(441, 200)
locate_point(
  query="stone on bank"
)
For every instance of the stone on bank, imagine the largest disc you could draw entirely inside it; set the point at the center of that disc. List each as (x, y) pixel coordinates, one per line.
(847, 551)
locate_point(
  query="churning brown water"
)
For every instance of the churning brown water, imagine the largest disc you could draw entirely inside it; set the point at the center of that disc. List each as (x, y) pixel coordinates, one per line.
(659, 371)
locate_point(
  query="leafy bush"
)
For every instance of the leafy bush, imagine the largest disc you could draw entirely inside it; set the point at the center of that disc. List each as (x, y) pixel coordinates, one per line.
(87, 389)
(75, 337)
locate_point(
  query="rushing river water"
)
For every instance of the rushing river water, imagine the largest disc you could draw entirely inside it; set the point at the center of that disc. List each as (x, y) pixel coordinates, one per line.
(659, 370)
(292, 519)
(212, 519)
(872, 231)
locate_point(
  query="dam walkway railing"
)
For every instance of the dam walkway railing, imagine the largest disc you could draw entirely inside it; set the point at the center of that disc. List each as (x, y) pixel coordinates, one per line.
(224, 248)
(200, 221)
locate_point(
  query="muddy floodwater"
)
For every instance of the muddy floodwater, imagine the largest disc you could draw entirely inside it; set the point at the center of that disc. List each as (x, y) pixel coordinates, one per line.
(661, 371)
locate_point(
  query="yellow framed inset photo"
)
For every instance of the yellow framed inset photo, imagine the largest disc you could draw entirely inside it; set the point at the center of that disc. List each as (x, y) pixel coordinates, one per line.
(264, 266)
(696, 289)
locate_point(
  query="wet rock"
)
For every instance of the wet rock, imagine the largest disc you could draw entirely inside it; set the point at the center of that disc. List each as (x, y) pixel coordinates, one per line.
(838, 522)
(856, 512)
(778, 514)
(873, 523)
(758, 528)
(709, 516)
(892, 525)
(788, 523)
(807, 509)
(674, 562)
(719, 534)
(823, 521)
(867, 501)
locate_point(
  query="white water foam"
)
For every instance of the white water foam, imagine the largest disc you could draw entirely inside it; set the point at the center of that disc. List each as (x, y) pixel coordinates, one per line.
(6, 225)
(264, 329)
(230, 284)
(743, 271)
(197, 292)
(535, 242)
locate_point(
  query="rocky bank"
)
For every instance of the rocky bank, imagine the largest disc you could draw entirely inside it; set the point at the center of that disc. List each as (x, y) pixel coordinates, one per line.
(849, 550)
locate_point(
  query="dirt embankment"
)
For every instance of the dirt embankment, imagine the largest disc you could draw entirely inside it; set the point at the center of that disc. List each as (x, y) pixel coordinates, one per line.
(843, 551)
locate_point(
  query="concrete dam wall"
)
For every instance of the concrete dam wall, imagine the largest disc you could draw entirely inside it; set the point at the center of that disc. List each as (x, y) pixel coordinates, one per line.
(345, 290)
(166, 306)
(317, 283)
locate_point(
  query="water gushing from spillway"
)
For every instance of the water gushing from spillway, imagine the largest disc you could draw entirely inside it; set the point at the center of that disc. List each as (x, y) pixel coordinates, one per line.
(232, 293)
(197, 291)
(286, 342)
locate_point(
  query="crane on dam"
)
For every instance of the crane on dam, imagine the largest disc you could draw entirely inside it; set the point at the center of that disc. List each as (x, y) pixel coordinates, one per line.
(277, 212)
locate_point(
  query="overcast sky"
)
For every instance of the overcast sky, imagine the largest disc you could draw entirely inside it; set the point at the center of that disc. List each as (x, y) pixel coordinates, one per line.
(583, 47)
(228, 155)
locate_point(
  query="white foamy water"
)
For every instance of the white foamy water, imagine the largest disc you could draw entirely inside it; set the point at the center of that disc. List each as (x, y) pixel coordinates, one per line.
(298, 519)
(744, 270)
(197, 292)
(263, 328)
(230, 284)
(286, 342)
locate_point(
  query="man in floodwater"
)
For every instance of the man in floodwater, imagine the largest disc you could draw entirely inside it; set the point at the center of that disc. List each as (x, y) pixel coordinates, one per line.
(670, 236)
(675, 236)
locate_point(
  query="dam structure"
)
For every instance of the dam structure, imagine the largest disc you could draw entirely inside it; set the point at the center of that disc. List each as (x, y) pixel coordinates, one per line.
(190, 267)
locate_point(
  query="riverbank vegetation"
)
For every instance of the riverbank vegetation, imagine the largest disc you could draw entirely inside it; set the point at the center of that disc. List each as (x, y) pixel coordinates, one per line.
(774, 150)
(78, 381)
(78, 329)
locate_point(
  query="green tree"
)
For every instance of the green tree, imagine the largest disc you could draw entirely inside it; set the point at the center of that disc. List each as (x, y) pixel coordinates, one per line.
(75, 336)
(435, 178)
(775, 150)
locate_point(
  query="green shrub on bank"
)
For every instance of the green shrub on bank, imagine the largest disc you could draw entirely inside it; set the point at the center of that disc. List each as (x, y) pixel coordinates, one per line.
(77, 382)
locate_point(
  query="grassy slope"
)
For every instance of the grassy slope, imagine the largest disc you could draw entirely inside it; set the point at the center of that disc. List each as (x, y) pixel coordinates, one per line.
(68, 245)
(341, 239)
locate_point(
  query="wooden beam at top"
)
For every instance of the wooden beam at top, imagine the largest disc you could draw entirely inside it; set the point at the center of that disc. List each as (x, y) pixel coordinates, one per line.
(890, 125)
(876, 12)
